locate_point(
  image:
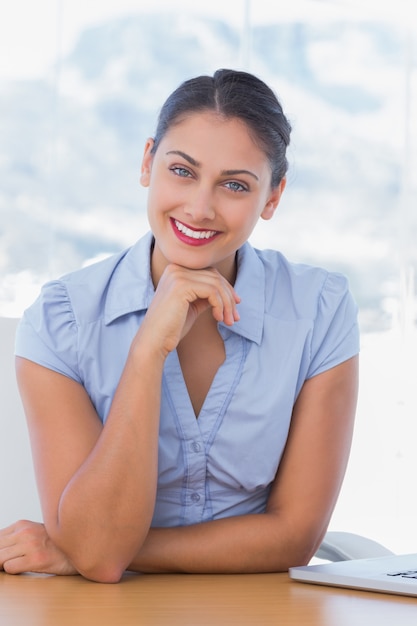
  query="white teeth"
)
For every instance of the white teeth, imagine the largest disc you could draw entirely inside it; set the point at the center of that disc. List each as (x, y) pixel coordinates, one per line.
(194, 234)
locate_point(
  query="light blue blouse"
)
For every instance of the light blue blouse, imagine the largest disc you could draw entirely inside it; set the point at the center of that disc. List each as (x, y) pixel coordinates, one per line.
(295, 322)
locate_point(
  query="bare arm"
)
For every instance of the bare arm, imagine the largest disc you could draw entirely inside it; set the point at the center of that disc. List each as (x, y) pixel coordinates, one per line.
(300, 504)
(97, 484)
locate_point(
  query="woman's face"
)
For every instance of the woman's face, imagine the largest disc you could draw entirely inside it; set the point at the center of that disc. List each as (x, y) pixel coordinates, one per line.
(208, 185)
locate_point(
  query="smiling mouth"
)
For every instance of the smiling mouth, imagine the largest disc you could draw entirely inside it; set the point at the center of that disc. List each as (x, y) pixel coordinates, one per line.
(194, 234)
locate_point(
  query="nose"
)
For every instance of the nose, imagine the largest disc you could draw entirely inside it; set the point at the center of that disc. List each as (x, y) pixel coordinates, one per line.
(200, 206)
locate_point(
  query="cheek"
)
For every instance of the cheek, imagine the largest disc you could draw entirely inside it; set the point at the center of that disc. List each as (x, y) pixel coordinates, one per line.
(247, 218)
(159, 208)
(155, 199)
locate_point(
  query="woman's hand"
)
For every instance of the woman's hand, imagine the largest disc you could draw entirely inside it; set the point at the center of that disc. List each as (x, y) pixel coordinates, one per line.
(181, 296)
(26, 547)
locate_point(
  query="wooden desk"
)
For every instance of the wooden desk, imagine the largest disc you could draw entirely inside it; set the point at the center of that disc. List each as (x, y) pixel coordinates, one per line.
(189, 600)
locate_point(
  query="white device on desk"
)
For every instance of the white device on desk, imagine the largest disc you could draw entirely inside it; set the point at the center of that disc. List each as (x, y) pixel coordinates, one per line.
(386, 574)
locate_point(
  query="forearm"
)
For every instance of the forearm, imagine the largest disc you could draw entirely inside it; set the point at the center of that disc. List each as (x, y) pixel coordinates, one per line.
(245, 544)
(105, 511)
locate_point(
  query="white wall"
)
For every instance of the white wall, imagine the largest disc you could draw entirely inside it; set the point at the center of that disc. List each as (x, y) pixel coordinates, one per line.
(378, 495)
(18, 495)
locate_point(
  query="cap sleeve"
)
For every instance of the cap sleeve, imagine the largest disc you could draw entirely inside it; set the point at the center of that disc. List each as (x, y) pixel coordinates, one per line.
(336, 334)
(48, 332)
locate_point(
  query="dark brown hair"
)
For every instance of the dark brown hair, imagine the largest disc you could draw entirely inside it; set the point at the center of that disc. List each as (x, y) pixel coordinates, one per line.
(234, 94)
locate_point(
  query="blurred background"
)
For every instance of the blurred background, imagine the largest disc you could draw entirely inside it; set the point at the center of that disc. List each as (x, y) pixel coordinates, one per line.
(81, 83)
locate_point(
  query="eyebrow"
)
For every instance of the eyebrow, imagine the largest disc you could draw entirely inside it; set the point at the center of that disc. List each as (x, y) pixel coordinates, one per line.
(195, 163)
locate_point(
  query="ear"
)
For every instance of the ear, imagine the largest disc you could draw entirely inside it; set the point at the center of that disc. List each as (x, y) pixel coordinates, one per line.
(273, 200)
(147, 160)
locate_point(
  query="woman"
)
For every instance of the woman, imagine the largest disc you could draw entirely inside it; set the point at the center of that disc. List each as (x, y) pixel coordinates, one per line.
(190, 401)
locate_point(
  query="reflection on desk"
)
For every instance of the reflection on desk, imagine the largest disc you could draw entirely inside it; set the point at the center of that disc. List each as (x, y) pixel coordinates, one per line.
(194, 600)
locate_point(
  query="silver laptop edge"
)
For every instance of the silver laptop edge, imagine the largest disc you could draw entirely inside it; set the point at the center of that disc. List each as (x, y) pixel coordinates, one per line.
(385, 574)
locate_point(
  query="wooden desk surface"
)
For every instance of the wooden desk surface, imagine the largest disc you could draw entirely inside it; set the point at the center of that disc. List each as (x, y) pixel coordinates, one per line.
(189, 600)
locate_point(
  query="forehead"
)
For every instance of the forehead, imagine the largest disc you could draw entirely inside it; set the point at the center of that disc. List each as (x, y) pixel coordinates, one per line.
(208, 131)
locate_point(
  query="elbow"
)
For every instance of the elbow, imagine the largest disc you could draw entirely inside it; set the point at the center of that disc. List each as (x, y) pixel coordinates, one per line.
(109, 573)
(99, 562)
(302, 553)
(100, 568)
(300, 557)
(103, 576)
(298, 551)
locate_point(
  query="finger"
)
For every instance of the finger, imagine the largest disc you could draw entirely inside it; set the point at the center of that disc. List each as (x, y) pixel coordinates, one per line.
(231, 313)
(15, 565)
(224, 302)
(7, 555)
(223, 308)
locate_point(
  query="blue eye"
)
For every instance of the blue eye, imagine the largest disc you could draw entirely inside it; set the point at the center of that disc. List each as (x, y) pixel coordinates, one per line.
(235, 186)
(181, 171)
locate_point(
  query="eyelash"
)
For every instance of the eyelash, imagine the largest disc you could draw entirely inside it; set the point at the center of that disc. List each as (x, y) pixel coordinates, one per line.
(176, 169)
(234, 182)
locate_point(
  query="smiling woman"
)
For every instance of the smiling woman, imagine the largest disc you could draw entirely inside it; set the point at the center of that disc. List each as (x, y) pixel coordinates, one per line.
(181, 395)
(75, 118)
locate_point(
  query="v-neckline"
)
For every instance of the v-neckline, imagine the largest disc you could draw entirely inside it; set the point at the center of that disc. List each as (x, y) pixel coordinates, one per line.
(219, 394)
(199, 371)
